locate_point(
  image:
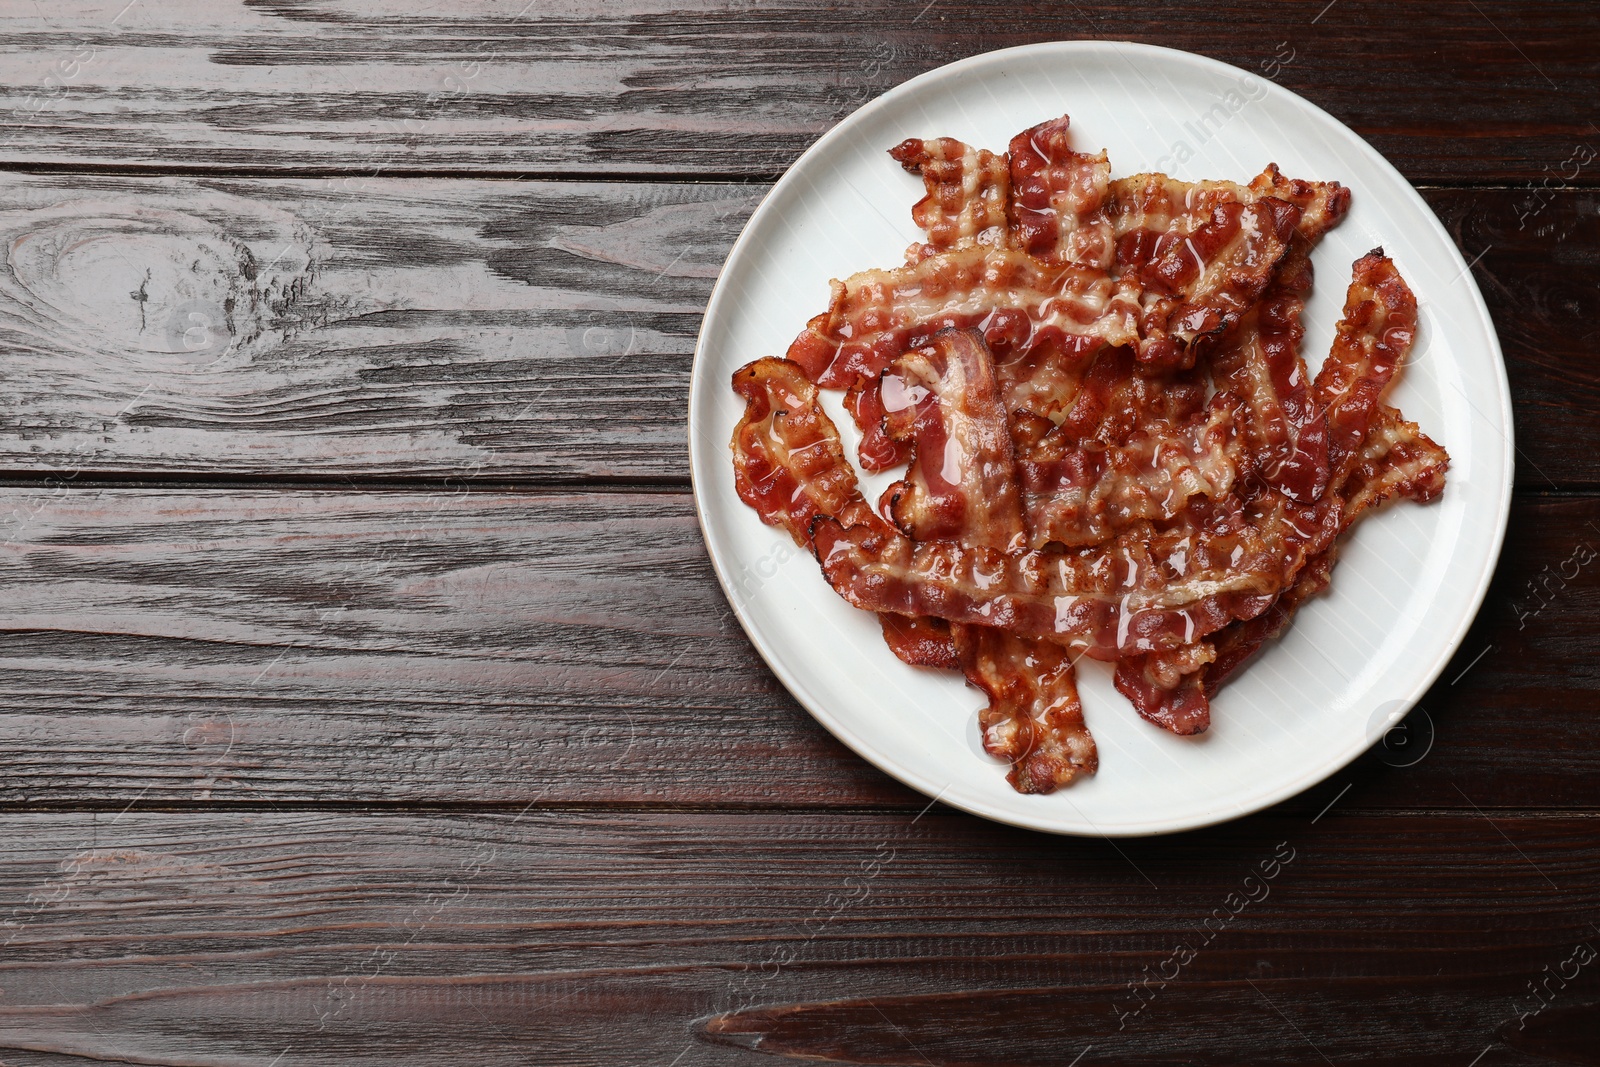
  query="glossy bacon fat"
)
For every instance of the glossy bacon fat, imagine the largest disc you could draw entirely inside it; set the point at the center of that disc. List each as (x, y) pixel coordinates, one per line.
(1060, 199)
(1083, 495)
(1202, 252)
(1110, 445)
(1147, 590)
(788, 462)
(962, 484)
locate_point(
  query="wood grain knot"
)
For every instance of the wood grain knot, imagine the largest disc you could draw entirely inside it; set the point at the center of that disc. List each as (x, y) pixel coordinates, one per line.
(153, 288)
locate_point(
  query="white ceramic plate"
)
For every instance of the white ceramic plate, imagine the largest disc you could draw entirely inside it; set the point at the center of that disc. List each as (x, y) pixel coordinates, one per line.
(1410, 578)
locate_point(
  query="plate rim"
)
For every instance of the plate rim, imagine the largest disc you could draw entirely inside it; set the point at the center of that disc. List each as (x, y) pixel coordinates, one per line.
(1191, 820)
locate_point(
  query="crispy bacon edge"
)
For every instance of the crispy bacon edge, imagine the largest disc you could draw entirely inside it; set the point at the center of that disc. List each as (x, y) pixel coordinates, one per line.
(920, 641)
(788, 462)
(1034, 718)
(967, 193)
(1060, 199)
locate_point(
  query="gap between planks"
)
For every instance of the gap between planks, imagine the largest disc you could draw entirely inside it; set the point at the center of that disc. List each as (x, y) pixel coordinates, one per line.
(920, 807)
(1578, 183)
(373, 483)
(180, 170)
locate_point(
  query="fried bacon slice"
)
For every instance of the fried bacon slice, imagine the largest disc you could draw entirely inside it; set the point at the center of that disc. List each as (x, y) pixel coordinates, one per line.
(1060, 199)
(968, 190)
(1287, 432)
(1202, 254)
(962, 485)
(1083, 495)
(1034, 719)
(1153, 213)
(1168, 688)
(1378, 327)
(877, 315)
(1149, 590)
(1205, 251)
(1019, 304)
(1398, 461)
(1389, 457)
(788, 462)
(789, 465)
(1323, 205)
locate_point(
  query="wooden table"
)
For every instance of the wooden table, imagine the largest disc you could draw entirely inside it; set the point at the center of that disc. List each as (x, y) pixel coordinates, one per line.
(367, 694)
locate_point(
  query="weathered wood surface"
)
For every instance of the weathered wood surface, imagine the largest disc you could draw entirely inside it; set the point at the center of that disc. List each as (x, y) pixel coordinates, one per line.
(612, 938)
(319, 329)
(355, 326)
(1452, 92)
(401, 647)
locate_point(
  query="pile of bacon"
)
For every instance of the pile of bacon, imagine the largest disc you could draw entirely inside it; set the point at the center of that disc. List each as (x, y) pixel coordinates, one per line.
(1113, 447)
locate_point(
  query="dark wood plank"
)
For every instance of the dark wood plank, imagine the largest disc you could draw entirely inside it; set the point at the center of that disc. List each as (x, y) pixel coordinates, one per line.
(355, 326)
(1447, 90)
(607, 938)
(245, 646)
(414, 328)
(1540, 276)
(394, 646)
(1284, 1023)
